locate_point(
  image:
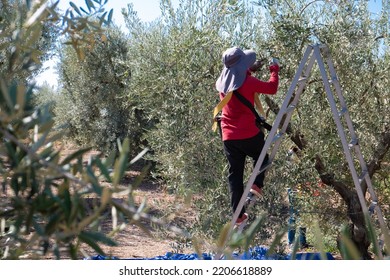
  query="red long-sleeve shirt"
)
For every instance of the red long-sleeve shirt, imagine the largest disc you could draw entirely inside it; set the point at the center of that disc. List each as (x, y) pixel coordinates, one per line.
(238, 121)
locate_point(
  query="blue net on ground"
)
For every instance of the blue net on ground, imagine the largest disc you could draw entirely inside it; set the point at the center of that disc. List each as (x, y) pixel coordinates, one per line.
(255, 253)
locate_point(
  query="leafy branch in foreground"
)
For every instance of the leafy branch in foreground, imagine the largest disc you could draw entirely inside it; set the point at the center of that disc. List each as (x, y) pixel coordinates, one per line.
(50, 203)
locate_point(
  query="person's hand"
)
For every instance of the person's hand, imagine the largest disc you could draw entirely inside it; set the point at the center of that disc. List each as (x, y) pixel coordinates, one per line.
(274, 65)
(274, 68)
(257, 65)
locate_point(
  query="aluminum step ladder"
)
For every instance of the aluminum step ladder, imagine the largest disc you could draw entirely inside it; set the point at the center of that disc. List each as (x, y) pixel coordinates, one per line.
(316, 53)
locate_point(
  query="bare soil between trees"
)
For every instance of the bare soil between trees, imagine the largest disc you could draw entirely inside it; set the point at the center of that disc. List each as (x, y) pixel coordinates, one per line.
(145, 239)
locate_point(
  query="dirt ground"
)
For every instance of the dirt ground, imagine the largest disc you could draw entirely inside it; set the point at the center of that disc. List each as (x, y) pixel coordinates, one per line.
(151, 240)
(148, 240)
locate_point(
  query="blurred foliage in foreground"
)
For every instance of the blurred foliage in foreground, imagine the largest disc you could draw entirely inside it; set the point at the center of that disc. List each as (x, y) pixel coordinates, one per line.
(51, 205)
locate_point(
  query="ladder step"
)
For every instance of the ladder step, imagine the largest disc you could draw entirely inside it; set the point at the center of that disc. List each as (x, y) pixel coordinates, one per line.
(302, 79)
(372, 207)
(343, 111)
(353, 143)
(322, 46)
(290, 108)
(363, 176)
(333, 80)
(278, 137)
(265, 167)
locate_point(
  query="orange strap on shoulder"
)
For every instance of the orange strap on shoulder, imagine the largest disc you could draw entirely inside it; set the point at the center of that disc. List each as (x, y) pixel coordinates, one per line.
(219, 107)
(259, 106)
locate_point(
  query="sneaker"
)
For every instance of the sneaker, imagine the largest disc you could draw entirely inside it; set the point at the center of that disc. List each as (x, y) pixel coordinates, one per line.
(254, 194)
(255, 190)
(242, 219)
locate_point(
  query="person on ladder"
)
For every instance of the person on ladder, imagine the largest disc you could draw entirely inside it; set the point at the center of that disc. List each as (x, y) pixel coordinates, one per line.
(241, 135)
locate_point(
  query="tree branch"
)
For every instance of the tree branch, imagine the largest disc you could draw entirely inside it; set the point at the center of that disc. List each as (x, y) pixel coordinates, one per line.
(295, 135)
(329, 179)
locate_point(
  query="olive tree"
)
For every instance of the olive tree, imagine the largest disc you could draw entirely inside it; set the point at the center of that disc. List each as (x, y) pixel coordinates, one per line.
(93, 94)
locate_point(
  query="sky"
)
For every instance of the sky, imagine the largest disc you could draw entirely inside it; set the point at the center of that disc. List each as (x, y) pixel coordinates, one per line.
(147, 10)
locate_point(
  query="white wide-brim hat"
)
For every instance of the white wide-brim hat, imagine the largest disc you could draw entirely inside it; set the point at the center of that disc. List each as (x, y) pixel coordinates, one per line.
(236, 63)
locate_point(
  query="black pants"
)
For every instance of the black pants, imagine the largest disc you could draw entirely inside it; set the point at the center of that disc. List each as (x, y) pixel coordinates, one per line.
(236, 152)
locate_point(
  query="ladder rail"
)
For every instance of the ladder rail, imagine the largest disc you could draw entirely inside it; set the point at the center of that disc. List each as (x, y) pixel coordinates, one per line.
(342, 136)
(340, 130)
(338, 90)
(350, 126)
(278, 120)
(354, 137)
(294, 102)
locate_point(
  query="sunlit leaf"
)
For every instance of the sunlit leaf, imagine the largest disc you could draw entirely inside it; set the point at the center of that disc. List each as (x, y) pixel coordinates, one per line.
(139, 156)
(6, 95)
(75, 8)
(121, 163)
(103, 168)
(84, 11)
(90, 5)
(223, 237)
(91, 241)
(109, 17)
(75, 155)
(106, 196)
